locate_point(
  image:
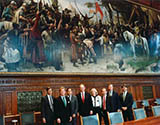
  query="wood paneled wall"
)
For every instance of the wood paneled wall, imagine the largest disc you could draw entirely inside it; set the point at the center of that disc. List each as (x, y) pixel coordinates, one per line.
(10, 85)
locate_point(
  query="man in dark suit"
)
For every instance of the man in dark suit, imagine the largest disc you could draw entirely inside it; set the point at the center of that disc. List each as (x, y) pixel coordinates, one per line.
(104, 106)
(48, 108)
(63, 108)
(74, 106)
(113, 103)
(126, 101)
(85, 107)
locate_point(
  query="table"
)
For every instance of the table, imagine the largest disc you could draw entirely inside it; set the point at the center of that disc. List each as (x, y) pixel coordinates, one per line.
(10, 118)
(154, 120)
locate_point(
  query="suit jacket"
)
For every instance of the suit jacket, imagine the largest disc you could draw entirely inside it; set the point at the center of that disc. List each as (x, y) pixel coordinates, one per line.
(128, 100)
(62, 112)
(113, 103)
(84, 108)
(74, 105)
(46, 111)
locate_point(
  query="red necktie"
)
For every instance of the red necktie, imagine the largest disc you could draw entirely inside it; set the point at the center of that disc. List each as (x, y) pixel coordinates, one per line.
(104, 103)
(82, 97)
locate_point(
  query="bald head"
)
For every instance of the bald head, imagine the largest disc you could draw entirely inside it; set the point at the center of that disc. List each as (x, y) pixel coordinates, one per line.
(110, 87)
(82, 87)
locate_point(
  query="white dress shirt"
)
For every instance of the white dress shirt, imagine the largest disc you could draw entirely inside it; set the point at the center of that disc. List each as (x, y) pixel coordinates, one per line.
(50, 99)
(124, 95)
(83, 94)
(110, 93)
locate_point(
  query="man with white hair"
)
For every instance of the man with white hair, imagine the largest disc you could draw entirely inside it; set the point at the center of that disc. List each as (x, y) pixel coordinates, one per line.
(113, 103)
(84, 102)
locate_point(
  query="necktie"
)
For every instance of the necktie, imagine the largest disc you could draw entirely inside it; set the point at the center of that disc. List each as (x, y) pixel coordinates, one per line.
(124, 96)
(82, 97)
(51, 99)
(104, 103)
(64, 101)
(51, 103)
(94, 101)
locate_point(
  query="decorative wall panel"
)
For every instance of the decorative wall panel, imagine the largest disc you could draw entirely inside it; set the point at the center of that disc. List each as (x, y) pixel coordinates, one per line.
(29, 101)
(22, 93)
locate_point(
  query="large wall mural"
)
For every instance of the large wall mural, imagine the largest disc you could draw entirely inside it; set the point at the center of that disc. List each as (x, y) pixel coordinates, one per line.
(88, 36)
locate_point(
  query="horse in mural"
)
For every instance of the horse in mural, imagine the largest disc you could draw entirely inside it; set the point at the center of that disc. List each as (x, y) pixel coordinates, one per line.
(135, 44)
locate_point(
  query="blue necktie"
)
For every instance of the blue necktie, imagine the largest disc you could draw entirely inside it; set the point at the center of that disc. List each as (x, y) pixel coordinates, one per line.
(64, 101)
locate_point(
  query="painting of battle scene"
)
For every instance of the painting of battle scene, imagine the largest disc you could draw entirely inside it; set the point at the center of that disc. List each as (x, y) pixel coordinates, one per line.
(97, 36)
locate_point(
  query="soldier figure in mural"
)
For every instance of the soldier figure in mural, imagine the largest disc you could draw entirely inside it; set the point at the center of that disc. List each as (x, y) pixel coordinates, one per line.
(74, 42)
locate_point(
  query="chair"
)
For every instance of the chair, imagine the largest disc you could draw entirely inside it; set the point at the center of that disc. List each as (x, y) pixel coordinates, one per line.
(115, 118)
(90, 120)
(139, 113)
(158, 101)
(134, 106)
(156, 110)
(27, 118)
(145, 103)
(14, 122)
(2, 121)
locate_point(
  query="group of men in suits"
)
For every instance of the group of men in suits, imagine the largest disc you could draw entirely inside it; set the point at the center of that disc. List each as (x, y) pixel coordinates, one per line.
(112, 102)
(65, 109)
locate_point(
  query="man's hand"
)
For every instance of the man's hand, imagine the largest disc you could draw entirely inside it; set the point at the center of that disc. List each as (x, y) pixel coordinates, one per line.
(91, 112)
(70, 119)
(44, 120)
(59, 120)
(124, 108)
(118, 110)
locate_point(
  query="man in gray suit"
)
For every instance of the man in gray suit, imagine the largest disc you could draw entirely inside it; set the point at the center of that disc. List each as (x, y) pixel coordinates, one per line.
(48, 108)
(74, 106)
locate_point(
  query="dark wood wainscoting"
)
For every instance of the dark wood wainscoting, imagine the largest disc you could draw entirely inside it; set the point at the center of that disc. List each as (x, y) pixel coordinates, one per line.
(10, 85)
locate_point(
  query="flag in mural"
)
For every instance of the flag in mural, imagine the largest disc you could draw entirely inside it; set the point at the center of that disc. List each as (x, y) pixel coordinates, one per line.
(98, 9)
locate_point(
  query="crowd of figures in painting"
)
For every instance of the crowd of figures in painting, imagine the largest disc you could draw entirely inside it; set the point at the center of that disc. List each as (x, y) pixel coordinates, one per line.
(42, 37)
